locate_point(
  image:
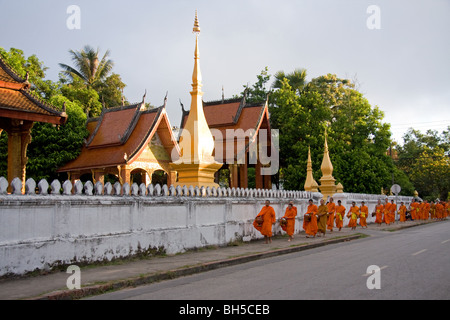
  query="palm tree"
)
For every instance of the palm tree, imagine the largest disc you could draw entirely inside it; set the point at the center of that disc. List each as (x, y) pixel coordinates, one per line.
(88, 67)
(297, 79)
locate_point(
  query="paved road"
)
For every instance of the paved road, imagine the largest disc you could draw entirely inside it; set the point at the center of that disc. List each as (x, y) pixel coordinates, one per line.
(414, 264)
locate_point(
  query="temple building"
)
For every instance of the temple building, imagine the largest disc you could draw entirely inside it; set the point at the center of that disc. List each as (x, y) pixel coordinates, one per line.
(129, 143)
(19, 109)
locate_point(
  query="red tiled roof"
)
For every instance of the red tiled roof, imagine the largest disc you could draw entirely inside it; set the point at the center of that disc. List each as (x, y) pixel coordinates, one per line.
(112, 154)
(17, 102)
(233, 114)
(112, 126)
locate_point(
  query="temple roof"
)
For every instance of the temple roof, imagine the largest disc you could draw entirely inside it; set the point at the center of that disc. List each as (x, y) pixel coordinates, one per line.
(231, 114)
(234, 114)
(18, 102)
(119, 136)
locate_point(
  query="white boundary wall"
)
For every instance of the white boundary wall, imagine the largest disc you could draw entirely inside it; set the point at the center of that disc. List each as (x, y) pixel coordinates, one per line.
(40, 231)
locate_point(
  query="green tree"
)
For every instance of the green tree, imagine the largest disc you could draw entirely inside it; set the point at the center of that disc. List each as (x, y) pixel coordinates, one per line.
(51, 146)
(357, 137)
(87, 97)
(90, 73)
(258, 92)
(431, 174)
(296, 78)
(88, 67)
(425, 160)
(110, 91)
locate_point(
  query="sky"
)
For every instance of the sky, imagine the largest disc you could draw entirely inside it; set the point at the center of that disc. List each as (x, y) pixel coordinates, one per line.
(398, 51)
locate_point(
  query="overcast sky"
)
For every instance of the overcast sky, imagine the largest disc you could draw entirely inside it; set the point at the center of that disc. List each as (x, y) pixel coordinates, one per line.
(403, 66)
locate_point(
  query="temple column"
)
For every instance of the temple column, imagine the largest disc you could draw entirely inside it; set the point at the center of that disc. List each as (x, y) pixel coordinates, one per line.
(98, 175)
(234, 175)
(243, 175)
(258, 177)
(124, 175)
(19, 136)
(171, 178)
(267, 182)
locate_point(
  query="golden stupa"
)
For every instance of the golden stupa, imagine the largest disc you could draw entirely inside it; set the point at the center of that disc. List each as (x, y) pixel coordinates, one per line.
(196, 165)
(310, 183)
(327, 182)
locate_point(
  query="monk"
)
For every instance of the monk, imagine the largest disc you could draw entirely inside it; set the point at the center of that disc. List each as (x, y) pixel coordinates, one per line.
(268, 215)
(402, 212)
(331, 208)
(353, 214)
(289, 215)
(440, 210)
(310, 227)
(340, 213)
(426, 210)
(433, 210)
(414, 209)
(364, 214)
(445, 204)
(392, 210)
(387, 205)
(379, 213)
(322, 213)
(421, 210)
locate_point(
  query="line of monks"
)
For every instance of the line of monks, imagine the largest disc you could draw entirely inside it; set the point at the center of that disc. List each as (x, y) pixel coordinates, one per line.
(324, 217)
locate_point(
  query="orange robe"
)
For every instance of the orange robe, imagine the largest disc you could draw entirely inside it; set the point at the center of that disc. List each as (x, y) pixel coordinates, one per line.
(363, 216)
(290, 215)
(433, 211)
(322, 211)
(331, 210)
(426, 211)
(402, 212)
(440, 211)
(379, 213)
(422, 211)
(311, 226)
(353, 214)
(415, 210)
(391, 213)
(268, 215)
(386, 213)
(340, 213)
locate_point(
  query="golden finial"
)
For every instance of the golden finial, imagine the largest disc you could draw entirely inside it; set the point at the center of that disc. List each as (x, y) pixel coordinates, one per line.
(196, 24)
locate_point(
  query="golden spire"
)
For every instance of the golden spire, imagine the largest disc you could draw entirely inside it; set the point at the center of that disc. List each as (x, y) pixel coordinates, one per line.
(327, 182)
(196, 24)
(196, 75)
(310, 183)
(196, 165)
(327, 166)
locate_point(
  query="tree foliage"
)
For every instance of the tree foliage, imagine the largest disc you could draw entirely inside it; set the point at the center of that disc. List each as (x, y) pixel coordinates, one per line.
(425, 160)
(91, 82)
(51, 146)
(357, 136)
(88, 67)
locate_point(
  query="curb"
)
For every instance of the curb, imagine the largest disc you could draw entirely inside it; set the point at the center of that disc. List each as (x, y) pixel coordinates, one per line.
(172, 274)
